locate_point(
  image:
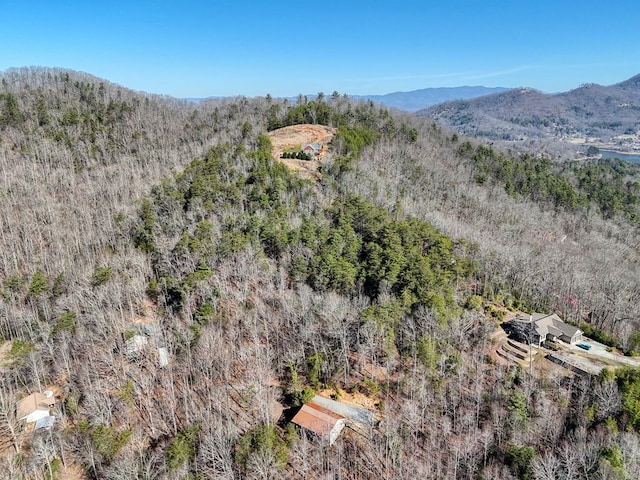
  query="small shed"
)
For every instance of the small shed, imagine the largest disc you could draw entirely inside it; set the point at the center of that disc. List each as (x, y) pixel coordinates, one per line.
(36, 408)
(319, 420)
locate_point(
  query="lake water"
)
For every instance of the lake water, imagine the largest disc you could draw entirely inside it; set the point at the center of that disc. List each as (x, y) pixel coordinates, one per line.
(622, 156)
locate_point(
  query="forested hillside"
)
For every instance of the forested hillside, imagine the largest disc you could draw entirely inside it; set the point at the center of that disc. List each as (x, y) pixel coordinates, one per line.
(183, 293)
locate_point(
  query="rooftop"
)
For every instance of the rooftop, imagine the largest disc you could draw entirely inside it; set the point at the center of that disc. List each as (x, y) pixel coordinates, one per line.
(35, 402)
(317, 419)
(546, 323)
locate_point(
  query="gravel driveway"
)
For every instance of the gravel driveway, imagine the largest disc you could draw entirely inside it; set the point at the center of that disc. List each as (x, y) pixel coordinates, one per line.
(600, 350)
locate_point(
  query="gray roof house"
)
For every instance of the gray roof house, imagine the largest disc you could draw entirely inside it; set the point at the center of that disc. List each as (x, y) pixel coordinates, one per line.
(538, 327)
(36, 408)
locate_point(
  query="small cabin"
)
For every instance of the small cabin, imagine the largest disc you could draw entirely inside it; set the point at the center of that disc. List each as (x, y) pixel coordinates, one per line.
(312, 149)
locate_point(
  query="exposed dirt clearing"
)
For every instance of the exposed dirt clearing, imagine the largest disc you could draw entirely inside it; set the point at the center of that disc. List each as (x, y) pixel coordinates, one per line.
(72, 471)
(296, 135)
(147, 314)
(355, 399)
(5, 348)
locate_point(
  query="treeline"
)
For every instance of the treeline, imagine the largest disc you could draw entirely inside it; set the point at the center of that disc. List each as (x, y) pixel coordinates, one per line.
(366, 117)
(89, 119)
(300, 155)
(613, 185)
(530, 177)
(215, 208)
(610, 186)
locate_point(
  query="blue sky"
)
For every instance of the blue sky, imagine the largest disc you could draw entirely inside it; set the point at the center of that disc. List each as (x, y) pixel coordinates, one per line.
(199, 48)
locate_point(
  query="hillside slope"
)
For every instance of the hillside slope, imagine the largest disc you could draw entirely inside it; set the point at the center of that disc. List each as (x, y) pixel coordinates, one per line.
(182, 292)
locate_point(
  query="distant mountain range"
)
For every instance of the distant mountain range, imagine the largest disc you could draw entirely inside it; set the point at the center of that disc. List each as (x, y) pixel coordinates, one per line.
(604, 116)
(419, 99)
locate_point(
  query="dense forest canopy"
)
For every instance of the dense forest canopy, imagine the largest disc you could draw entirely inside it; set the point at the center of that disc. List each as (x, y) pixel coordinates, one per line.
(182, 291)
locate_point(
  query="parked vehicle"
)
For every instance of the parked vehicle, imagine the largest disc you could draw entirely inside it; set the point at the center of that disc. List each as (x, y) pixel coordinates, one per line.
(583, 345)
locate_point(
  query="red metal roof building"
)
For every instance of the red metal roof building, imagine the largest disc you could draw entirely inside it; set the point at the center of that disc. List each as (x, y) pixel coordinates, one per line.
(319, 420)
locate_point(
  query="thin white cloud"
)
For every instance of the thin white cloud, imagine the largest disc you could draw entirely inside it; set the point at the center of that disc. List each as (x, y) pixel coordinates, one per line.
(502, 73)
(451, 76)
